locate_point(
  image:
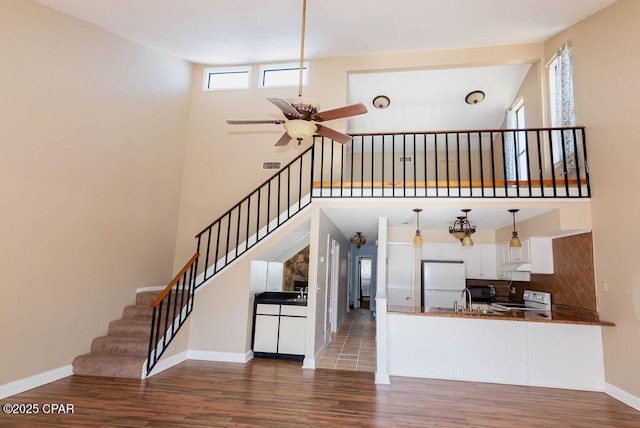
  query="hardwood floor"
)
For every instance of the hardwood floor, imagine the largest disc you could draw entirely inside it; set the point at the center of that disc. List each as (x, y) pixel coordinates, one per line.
(278, 393)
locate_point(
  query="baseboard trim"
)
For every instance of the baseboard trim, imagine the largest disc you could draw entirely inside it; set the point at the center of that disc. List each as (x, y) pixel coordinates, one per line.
(226, 357)
(22, 385)
(166, 363)
(156, 288)
(622, 395)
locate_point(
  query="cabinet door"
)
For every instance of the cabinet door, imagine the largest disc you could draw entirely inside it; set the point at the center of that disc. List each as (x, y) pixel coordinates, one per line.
(541, 255)
(473, 262)
(502, 252)
(400, 275)
(489, 256)
(452, 251)
(522, 254)
(292, 335)
(431, 252)
(265, 338)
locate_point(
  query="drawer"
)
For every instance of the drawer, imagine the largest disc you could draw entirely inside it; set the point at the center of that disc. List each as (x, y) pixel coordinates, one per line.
(294, 311)
(263, 309)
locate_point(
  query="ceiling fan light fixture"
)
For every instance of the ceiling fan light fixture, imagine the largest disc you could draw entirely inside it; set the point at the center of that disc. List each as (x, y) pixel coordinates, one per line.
(300, 129)
(304, 105)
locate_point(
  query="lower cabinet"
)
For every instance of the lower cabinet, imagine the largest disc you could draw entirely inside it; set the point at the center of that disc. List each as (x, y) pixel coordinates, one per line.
(279, 330)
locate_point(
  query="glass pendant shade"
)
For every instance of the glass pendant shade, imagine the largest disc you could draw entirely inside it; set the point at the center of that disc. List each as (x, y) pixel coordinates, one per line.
(417, 240)
(515, 241)
(467, 241)
(300, 129)
(358, 240)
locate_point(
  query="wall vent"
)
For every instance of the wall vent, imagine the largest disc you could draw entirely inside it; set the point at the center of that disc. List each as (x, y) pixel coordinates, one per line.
(271, 165)
(406, 159)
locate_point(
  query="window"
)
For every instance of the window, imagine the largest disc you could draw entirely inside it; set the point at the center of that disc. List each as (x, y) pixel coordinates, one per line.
(562, 106)
(218, 79)
(278, 75)
(516, 143)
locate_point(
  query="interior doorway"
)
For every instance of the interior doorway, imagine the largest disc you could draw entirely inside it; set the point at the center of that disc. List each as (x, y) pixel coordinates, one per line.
(364, 281)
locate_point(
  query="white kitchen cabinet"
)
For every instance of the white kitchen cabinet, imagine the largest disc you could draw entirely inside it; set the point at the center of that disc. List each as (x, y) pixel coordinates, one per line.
(502, 254)
(280, 329)
(400, 271)
(432, 251)
(541, 249)
(480, 261)
(522, 254)
(265, 338)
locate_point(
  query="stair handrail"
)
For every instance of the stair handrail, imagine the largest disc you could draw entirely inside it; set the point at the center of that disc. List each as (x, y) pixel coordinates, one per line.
(174, 281)
(161, 335)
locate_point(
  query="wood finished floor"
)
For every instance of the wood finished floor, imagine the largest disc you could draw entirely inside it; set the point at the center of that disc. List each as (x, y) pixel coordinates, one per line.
(278, 393)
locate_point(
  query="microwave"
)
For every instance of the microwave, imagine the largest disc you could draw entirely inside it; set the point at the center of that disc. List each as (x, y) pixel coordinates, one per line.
(482, 293)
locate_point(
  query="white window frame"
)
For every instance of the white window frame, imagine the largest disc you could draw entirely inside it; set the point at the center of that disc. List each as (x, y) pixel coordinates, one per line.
(206, 78)
(265, 68)
(518, 110)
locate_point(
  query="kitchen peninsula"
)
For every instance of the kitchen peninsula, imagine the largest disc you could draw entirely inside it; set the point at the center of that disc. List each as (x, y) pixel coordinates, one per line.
(562, 351)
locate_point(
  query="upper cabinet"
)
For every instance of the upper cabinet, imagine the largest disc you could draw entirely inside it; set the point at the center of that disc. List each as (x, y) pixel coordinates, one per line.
(431, 251)
(480, 261)
(541, 250)
(522, 254)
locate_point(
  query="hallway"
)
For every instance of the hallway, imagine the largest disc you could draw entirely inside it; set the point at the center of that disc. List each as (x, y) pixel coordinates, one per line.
(353, 347)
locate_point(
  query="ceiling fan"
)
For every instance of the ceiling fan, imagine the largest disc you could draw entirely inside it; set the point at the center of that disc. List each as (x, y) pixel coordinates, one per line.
(302, 113)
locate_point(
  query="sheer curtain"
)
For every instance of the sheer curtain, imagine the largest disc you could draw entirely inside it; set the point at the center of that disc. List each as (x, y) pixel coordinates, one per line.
(565, 107)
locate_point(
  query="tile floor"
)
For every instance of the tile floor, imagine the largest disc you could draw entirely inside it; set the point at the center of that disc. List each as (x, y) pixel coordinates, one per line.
(353, 347)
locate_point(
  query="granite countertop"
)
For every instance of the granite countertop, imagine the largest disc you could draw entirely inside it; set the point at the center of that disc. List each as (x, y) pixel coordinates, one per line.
(280, 298)
(557, 316)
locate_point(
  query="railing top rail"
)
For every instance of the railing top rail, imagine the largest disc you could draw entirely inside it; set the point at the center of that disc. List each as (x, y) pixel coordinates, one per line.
(174, 281)
(468, 131)
(254, 191)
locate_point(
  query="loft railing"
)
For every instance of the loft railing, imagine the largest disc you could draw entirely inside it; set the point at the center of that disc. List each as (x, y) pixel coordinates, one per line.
(492, 163)
(495, 163)
(170, 311)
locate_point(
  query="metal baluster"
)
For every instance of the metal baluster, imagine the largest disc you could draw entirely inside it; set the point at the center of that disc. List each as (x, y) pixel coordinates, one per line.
(493, 164)
(435, 152)
(526, 153)
(481, 164)
(539, 147)
(458, 160)
(553, 167)
(586, 163)
(575, 161)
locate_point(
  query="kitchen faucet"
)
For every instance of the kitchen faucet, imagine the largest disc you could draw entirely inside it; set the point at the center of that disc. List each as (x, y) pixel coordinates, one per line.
(468, 298)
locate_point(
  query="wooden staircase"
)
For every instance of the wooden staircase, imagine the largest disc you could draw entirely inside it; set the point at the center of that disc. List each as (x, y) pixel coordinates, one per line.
(123, 351)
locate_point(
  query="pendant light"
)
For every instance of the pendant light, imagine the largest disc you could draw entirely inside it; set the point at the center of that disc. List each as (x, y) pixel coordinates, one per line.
(358, 240)
(462, 229)
(417, 240)
(515, 241)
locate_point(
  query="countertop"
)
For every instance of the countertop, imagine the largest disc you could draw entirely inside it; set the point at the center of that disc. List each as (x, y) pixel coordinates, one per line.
(280, 298)
(529, 316)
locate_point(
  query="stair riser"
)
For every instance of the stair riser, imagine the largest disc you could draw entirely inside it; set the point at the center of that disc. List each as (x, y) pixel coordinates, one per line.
(133, 346)
(131, 328)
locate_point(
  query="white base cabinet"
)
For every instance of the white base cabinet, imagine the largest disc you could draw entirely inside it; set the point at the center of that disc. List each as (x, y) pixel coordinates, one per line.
(279, 329)
(484, 350)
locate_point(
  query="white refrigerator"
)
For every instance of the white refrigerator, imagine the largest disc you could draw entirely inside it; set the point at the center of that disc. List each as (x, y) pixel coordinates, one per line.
(442, 283)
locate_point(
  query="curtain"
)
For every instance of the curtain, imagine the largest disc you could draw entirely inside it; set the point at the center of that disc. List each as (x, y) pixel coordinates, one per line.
(509, 145)
(565, 106)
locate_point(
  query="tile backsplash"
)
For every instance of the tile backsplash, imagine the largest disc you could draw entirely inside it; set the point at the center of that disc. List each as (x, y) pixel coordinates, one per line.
(573, 281)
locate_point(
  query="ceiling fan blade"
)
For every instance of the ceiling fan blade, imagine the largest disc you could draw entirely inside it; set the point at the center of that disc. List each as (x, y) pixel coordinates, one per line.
(284, 140)
(338, 113)
(333, 134)
(284, 106)
(254, 122)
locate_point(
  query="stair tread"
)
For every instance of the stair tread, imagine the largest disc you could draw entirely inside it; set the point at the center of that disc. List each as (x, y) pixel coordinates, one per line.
(110, 365)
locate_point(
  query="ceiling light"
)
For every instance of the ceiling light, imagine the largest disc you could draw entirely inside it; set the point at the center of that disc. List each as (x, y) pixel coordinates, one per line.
(474, 97)
(381, 102)
(515, 241)
(358, 240)
(462, 229)
(417, 240)
(300, 129)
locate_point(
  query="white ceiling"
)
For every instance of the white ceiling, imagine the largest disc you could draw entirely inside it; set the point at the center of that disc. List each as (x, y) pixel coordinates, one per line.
(434, 100)
(223, 32)
(365, 220)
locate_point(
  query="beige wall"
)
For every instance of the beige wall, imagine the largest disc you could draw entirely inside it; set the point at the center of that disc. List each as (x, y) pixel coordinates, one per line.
(93, 135)
(606, 86)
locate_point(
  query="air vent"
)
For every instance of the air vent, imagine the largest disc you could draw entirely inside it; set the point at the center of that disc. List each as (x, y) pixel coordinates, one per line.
(271, 165)
(406, 159)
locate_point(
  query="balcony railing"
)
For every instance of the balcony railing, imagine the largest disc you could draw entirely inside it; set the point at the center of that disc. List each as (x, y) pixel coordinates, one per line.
(494, 163)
